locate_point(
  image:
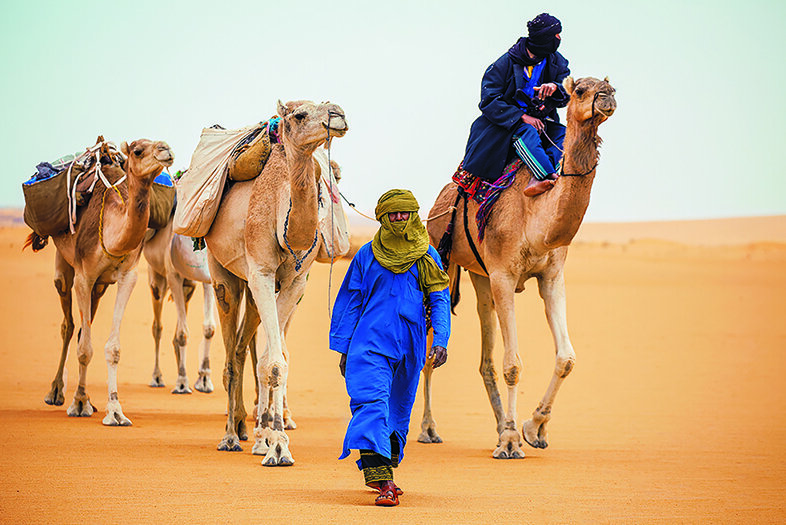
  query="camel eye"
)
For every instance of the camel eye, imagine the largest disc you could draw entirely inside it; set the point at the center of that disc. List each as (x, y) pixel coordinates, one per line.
(138, 152)
(580, 91)
(300, 116)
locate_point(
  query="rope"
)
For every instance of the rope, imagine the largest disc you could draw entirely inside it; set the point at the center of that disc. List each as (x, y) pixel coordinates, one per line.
(352, 205)
(298, 260)
(332, 228)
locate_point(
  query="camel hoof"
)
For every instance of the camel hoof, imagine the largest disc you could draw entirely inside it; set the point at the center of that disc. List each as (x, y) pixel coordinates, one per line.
(203, 384)
(509, 446)
(182, 388)
(283, 461)
(55, 397)
(534, 435)
(81, 409)
(429, 436)
(278, 454)
(230, 444)
(289, 424)
(157, 382)
(116, 419)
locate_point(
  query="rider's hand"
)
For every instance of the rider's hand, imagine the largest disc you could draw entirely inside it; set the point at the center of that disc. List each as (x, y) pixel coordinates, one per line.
(439, 354)
(546, 90)
(534, 122)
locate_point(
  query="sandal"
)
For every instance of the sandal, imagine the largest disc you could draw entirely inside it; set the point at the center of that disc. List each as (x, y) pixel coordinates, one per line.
(387, 496)
(375, 485)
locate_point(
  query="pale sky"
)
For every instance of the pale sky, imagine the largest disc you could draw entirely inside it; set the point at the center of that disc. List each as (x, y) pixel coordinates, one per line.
(699, 88)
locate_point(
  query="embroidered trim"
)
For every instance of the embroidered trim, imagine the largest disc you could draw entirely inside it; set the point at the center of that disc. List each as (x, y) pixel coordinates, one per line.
(376, 474)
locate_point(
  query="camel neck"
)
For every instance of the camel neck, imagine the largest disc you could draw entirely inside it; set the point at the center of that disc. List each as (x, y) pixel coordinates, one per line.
(125, 219)
(562, 209)
(303, 219)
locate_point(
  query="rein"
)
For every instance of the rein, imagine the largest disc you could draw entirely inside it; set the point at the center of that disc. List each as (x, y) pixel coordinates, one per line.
(562, 164)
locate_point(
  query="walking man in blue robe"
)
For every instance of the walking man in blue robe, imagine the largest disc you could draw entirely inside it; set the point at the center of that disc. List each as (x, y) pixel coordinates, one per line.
(394, 288)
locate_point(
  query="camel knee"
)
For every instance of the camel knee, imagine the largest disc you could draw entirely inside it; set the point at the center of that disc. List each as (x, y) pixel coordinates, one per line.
(511, 375)
(564, 365)
(208, 331)
(112, 354)
(85, 356)
(488, 373)
(277, 374)
(67, 329)
(157, 329)
(181, 338)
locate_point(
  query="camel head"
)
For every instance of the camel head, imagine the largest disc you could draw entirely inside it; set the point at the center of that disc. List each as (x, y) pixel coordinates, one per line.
(306, 125)
(146, 158)
(590, 99)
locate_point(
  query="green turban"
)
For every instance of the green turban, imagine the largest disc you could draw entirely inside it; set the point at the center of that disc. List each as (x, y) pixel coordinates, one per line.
(399, 245)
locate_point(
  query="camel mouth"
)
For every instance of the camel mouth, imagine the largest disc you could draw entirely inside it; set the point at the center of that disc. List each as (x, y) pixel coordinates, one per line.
(605, 112)
(336, 132)
(166, 159)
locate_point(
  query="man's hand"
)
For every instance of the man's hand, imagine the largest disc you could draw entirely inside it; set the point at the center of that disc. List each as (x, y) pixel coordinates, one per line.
(439, 354)
(534, 122)
(546, 90)
(342, 365)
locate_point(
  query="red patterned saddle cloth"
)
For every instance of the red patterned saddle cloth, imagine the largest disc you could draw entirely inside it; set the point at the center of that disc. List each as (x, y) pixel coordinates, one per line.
(479, 189)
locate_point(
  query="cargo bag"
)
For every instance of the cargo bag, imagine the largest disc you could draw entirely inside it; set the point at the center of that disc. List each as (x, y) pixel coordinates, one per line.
(200, 187)
(333, 225)
(46, 202)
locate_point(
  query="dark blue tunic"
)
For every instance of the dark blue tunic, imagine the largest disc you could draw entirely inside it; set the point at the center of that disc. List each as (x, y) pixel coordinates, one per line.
(491, 135)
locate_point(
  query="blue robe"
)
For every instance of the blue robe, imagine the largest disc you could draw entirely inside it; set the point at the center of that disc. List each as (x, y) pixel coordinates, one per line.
(379, 323)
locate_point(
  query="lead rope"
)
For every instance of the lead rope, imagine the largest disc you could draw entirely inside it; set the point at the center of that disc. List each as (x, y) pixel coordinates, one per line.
(332, 229)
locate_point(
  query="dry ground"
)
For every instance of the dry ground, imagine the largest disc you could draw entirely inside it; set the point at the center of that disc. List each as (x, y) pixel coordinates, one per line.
(674, 412)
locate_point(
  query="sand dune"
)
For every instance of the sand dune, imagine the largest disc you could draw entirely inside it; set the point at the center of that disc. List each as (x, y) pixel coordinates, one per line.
(674, 412)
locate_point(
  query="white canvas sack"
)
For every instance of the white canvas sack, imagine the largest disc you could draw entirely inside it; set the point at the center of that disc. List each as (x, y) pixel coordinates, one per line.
(200, 188)
(334, 243)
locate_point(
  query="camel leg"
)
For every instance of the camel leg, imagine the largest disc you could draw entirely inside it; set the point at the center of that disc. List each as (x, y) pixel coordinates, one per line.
(245, 334)
(502, 291)
(289, 421)
(428, 426)
(228, 290)
(64, 281)
(158, 288)
(177, 284)
(252, 349)
(272, 365)
(203, 382)
(81, 405)
(553, 293)
(114, 412)
(488, 332)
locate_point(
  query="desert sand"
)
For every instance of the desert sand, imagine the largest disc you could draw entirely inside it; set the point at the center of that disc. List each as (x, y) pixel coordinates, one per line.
(674, 413)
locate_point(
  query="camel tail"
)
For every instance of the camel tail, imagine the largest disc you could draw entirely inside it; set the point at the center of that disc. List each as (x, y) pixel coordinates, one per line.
(36, 241)
(454, 273)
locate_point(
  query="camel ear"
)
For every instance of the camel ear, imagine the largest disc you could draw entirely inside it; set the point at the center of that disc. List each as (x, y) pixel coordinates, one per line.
(124, 148)
(569, 84)
(606, 80)
(281, 109)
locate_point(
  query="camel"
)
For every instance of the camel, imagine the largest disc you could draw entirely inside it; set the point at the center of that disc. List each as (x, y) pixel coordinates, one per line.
(104, 249)
(262, 242)
(525, 237)
(174, 265)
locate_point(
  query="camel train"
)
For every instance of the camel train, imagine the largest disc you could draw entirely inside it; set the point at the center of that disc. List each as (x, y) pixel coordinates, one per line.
(265, 237)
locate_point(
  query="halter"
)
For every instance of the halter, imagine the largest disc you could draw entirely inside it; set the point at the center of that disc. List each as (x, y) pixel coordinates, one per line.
(561, 167)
